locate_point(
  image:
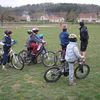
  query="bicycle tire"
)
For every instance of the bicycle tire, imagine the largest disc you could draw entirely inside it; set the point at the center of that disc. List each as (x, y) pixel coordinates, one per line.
(49, 59)
(55, 74)
(80, 70)
(24, 55)
(58, 58)
(18, 61)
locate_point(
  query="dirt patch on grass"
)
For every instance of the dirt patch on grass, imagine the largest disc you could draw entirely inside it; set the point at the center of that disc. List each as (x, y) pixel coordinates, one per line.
(15, 87)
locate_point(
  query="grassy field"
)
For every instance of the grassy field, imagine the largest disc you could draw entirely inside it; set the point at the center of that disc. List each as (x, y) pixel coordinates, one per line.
(29, 84)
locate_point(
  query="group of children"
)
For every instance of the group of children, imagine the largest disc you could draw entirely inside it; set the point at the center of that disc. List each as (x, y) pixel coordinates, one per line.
(34, 43)
(68, 44)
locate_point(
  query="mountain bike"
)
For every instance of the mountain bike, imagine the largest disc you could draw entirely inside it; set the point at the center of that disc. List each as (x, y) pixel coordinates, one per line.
(54, 73)
(47, 58)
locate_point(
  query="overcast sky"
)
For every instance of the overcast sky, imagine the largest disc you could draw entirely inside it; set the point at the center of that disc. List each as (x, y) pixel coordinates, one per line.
(15, 3)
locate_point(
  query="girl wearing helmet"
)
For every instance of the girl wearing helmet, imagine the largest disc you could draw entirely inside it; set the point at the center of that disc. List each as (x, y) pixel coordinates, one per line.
(72, 55)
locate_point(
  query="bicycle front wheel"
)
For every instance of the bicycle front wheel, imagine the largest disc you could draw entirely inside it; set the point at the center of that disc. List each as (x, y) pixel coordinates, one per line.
(49, 59)
(52, 74)
(82, 71)
(17, 62)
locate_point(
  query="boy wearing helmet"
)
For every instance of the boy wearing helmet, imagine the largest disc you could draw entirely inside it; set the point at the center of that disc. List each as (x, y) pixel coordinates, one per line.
(33, 42)
(83, 38)
(72, 55)
(6, 47)
(64, 40)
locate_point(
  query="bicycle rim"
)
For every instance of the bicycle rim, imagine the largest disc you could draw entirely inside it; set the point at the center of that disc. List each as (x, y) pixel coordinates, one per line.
(17, 62)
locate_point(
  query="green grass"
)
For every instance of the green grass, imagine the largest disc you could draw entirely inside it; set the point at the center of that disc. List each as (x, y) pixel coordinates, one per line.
(29, 84)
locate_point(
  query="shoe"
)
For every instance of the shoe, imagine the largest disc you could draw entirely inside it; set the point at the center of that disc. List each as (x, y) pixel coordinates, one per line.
(72, 84)
(9, 65)
(62, 60)
(3, 67)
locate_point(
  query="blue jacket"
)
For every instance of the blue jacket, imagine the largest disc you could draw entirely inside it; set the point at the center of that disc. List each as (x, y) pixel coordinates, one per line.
(64, 38)
(7, 41)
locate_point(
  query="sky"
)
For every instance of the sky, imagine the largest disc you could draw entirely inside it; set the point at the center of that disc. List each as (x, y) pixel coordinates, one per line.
(16, 3)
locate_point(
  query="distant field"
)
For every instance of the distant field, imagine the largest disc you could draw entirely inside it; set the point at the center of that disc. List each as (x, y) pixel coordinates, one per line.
(29, 84)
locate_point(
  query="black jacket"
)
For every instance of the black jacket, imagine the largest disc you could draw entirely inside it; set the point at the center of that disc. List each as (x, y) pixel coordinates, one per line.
(84, 33)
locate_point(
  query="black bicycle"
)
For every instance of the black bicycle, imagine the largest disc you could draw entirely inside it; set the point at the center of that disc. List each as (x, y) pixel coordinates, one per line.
(53, 74)
(47, 58)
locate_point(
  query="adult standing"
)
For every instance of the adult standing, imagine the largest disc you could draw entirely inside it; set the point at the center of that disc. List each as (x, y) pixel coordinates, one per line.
(64, 40)
(83, 38)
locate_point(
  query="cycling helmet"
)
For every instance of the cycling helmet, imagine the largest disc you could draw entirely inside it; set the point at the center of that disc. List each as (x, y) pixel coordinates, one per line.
(35, 30)
(29, 31)
(72, 38)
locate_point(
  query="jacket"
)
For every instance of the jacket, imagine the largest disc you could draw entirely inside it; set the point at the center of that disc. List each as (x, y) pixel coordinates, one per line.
(72, 52)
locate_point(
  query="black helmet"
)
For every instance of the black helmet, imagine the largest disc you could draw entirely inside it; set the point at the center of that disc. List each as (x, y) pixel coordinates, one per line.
(29, 31)
(81, 23)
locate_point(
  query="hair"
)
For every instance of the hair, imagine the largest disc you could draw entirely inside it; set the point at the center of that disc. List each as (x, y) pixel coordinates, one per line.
(81, 23)
(64, 30)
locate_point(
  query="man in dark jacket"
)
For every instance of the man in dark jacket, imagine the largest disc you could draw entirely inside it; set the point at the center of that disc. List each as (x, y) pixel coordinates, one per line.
(83, 38)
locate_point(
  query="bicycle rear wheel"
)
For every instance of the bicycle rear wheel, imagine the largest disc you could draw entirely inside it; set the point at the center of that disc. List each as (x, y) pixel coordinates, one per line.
(82, 71)
(52, 74)
(49, 59)
(59, 60)
(17, 62)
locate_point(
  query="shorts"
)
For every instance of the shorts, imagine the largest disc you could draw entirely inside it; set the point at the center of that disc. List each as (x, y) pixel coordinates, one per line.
(83, 46)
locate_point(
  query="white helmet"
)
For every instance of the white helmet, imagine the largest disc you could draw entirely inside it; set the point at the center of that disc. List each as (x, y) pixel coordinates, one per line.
(72, 38)
(35, 29)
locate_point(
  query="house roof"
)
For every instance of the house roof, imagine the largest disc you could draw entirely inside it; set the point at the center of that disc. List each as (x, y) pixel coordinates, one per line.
(87, 15)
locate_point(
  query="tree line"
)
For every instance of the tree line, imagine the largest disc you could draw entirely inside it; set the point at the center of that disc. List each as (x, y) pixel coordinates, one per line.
(60, 9)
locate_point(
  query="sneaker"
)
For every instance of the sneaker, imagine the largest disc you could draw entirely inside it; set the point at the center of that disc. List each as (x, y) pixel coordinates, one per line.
(9, 65)
(62, 60)
(72, 84)
(3, 67)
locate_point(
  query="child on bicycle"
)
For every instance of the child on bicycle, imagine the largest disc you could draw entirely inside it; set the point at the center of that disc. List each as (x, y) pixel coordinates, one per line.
(40, 36)
(72, 55)
(6, 48)
(64, 40)
(33, 42)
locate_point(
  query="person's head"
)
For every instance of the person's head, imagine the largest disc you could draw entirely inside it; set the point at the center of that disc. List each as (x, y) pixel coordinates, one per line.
(8, 32)
(29, 32)
(72, 38)
(64, 28)
(35, 30)
(81, 24)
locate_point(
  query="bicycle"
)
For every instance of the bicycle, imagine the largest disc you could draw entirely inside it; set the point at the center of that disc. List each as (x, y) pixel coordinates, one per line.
(16, 61)
(47, 58)
(59, 60)
(54, 73)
